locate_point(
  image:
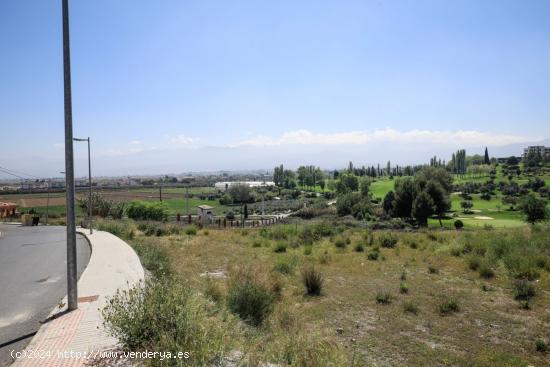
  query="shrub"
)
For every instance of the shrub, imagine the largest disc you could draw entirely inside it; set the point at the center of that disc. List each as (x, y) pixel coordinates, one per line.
(257, 242)
(474, 263)
(312, 280)
(403, 288)
(383, 298)
(284, 266)
(340, 242)
(456, 251)
(190, 230)
(458, 224)
(206, 232)
(485, 271)
(280, 247)
(449, 306)
(432, 269)
(230, 215)
(212, 291)
(410, 306)
(307, 250)
(142, 210)
(373, 255)
(154, 258)
(168, 317)
(524, 305)
(359, 247)
(523, 289)
(387, 241)
(541, 346)
(248, 298)
(325, 258)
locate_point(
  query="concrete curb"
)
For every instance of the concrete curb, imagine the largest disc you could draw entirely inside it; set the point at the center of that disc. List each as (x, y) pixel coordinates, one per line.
(73, 339)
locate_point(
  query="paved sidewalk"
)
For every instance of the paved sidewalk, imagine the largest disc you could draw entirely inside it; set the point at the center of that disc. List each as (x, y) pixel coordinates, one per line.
(68, 338)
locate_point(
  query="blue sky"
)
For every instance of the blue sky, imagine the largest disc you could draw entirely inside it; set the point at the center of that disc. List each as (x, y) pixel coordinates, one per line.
(172, 78)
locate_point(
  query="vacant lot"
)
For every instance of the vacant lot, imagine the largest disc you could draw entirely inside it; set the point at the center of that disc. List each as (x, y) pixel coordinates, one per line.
(418, 301)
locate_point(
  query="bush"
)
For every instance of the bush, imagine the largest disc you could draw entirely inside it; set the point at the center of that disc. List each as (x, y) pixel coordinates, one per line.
(449, 306)
(485, 271)
(340, 242)
(154, 258)
(230, 215)
(248, 298)
(524, 305)
(359, 247)
(523, 289)
(410, 306)
(432, 269)
(142, 210)
(458, 224)
(284, 266)
(190, 230)
(168, 317)
(474, 262)
(383, 298)
(387, 241)
(307, 250)
(280, 247)
(373, 255)
(403, 288)
(541, 346)
(312, 280)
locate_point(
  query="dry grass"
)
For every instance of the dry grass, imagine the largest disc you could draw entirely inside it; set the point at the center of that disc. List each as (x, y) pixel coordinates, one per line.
(490, 328)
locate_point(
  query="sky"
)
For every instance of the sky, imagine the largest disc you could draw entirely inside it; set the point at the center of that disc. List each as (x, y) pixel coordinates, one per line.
(179, 85)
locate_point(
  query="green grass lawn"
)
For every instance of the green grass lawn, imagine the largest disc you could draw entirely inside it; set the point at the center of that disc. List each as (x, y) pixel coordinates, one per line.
(381, 187)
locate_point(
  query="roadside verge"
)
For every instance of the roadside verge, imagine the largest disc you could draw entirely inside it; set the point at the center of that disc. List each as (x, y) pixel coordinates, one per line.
(73, 338)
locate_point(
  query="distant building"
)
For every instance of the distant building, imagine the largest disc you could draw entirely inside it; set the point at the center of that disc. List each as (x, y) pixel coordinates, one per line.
(536, 149)
(222, 186)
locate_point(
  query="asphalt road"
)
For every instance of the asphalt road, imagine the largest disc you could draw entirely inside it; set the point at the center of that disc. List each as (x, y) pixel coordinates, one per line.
(33, 279)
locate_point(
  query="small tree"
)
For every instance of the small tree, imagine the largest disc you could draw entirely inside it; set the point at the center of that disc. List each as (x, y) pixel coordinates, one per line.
(466, 205)
(423, 207)
(388, 203)
(534, 208)
(510, 200)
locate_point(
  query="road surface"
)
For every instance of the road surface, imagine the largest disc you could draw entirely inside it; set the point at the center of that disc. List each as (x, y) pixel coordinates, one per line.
(33, 279)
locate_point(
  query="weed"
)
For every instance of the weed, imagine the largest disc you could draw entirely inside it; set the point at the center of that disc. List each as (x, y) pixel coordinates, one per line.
(410, 306)
(284, 266)
(308, 250)
(373, 255)
(387, 241)
(432, 269)
(383, 298)
(359, 247)
(474, 263)
(312, 280)
(449, 306)
(280, 247)
(190, 230)
(250, 299)
(524, 305)
(523, 289)
(541, 346)
(485, 271)
(403, 288)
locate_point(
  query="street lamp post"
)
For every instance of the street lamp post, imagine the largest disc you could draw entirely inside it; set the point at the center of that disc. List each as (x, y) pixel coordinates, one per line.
(89, 184)
(72, 292)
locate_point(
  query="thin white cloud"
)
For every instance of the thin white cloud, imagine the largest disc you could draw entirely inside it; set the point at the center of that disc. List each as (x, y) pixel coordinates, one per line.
(59, 146)
(461, 137)
(182, 140)
(135, 142)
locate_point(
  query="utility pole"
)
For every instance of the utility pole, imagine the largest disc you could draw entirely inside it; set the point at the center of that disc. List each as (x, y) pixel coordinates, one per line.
(48, 201)
(72, 292)
(160, 193)
(89, 184)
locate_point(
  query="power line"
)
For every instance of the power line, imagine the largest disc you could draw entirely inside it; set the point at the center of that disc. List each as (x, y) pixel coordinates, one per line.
(12, 174)
(18, 172)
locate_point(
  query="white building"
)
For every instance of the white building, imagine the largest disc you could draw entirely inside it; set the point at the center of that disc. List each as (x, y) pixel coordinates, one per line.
(224, 185)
